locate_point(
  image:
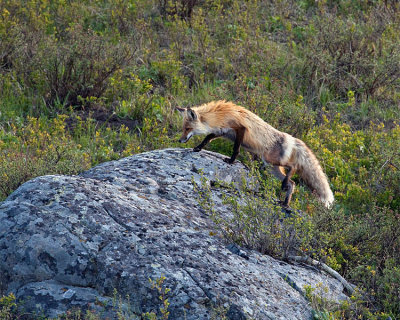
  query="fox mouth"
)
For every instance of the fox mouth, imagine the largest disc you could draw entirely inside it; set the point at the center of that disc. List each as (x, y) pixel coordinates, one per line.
(186, 139)
(183, 140)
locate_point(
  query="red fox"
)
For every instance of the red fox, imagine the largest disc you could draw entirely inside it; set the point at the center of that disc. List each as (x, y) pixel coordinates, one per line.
(244, 128)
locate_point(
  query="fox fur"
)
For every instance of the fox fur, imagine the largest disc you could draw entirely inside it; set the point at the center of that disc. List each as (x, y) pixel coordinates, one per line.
(246, 129)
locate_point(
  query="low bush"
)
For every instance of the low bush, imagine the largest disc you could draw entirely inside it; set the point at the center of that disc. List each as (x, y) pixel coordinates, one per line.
(8, 307)
(257, 221)
(363, 164)
(38, 148)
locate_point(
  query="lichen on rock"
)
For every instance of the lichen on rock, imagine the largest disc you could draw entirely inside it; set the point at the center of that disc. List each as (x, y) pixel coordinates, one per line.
(73, 241)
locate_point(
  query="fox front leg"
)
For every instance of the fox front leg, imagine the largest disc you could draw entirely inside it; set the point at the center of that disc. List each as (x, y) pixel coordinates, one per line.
(236, 146)
(206, 140)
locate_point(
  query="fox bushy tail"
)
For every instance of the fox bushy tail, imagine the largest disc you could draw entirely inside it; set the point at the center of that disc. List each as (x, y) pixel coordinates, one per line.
(311, 172)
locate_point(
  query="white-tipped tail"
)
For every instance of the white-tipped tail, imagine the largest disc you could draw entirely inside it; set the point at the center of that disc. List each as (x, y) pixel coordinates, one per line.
(311, 172)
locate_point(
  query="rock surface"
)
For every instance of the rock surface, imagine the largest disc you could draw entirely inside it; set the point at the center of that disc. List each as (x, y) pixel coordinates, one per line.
(71, 241)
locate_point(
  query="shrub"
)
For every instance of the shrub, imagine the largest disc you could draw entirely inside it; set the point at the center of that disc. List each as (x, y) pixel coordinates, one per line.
(78, 69)
(363, 164)
(36, 149)
(256, 221)
(181, 8)
(350, 53)
(7, 307)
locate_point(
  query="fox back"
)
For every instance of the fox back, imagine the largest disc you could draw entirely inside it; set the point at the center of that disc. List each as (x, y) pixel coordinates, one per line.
(224, 119)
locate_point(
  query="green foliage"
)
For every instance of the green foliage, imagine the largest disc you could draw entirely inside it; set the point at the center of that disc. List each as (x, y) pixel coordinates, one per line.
(42, 146)
(7, 307)
(36, 148)
(77, 69)
(204, 194)
(362, 248)
(363, 164)
(354, 308)
(131, 95)
(163, 292)
(347, 54)
(256, 221)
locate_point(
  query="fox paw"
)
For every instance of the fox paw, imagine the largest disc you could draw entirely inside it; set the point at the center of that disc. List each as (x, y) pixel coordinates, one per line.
(196, 149)
(283, 204)
(228, 160)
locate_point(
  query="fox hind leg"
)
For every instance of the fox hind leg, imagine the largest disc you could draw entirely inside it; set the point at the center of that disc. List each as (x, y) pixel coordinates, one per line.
(288, 186)
(287, 183)
(279, 172)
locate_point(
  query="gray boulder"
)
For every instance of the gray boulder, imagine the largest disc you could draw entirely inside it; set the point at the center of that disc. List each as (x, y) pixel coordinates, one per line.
(93, 241)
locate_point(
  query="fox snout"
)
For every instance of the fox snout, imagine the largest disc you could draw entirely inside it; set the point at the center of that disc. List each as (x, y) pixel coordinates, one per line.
(185, 137)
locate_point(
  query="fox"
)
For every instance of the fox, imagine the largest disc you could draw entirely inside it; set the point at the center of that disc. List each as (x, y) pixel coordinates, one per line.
(285, 153)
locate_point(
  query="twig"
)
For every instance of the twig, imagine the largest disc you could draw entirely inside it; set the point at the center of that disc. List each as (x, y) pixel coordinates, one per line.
(305, 259)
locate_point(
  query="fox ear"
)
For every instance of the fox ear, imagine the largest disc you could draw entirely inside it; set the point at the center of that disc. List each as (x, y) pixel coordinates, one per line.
(191, 114)
(181, 110)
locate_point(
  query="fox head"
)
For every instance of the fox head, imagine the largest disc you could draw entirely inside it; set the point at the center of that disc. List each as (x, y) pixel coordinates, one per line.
(192, 125)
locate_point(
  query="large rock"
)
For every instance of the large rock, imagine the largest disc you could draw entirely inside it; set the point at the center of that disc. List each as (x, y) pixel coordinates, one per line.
(75, 241)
